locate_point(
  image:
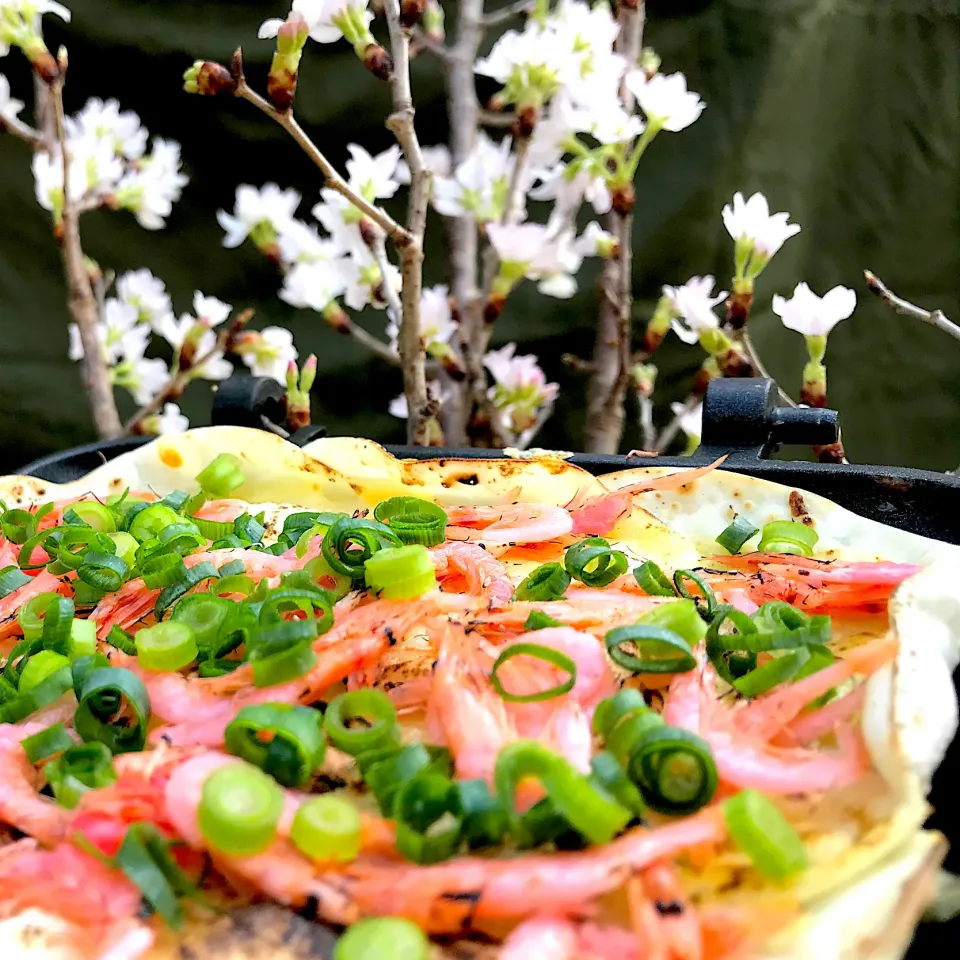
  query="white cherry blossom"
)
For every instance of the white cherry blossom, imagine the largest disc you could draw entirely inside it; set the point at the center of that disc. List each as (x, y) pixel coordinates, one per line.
(362, 277)
(313, 286)
(217, 367)
(171, 420)
(145, 378)
(260, 214)
(17, 16)
(690, 420)
(150, 191)
(147, 295)
(437, 325)
(815, 316)
(595, 241)
(300, 242)
(540, 254)
(437, 160)
(272, 354)
(570, 192)
(665, 100)
(374, 178)
(750, 222)
(325, 18)
(694, 303)
(210, 310)
(9, 106)
(341, 219)
(104, 120)
(479, 184)
(121, 337)
(520, 387)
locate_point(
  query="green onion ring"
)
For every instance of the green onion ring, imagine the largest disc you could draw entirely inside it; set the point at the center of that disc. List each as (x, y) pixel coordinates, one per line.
(788, 536)
(420, 804)
(540, 652)
(594, 562)
(106, 692)
(414, 521)
(659, 650)
(221, 476)
(375, 709)
(675, 770)
(548, 582)
(350, 543)
(653, 581)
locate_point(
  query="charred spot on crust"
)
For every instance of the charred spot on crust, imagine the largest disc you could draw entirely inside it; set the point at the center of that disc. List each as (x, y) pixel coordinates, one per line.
(389, 634)
(469, 480)
(324, 783)
(668, 908)
(798, 508)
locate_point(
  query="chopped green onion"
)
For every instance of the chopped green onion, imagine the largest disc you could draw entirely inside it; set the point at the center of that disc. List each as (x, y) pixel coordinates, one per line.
(195, 575)
(653, 581)
(166, 646)
(229, 542)
(786, 626)
(317, 574)
(362, 720)
(759, 828)
(221, 477)
(176, 500)
(46, 743)
(125, 547)
(78, 769)
(271, 669)
(160, 570)
(538, 620)
(57, 624)
(30, 615)
(772, 673)
(788, 536)
(613, 709)
(623, 738)
(84, 666)
(421, 804)
(238, 583)
(285, 741)
(18, 526)
(103, 571)
(12, 578)
(150, 521)
(483, 819)
(296, 524)
(350, 543)
(40, 666)
(548, 582)
(706, 604)
(737, 534)
(82, 641)
(240, 807)
(86, 596)
(413, 520)
(249, 528)
(114, 709)
(43, 540)
(385, 770)
(607, 773)
(18, 657)
(591, 812)
(93, 514)
(51, 688)
(400, 573)
(680, 616)
(310, 602)
(213, 529)
(206, 615)
(76, 543)
(675, 770)
(594, 562)
(327, 829)
(383, 938)
(144, 856)
(659, 650)
(123, 641)
(540, 652)
(180, 538)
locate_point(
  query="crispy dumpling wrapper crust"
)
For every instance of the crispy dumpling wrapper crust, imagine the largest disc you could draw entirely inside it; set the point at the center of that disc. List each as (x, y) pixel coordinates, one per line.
(863, 900)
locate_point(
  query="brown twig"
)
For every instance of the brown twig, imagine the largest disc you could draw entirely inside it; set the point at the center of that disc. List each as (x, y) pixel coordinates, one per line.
(401, 124)
(368, 340)
(81, 300)
(22, 131)
(378, 248)
(936, 318)
(400, 235)
(607, 389)
(510, 12)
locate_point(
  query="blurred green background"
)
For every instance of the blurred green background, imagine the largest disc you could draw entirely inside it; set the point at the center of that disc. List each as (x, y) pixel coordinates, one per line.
(844, 112)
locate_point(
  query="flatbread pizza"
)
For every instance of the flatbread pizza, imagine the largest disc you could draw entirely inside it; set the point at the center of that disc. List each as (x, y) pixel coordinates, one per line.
(258, 700)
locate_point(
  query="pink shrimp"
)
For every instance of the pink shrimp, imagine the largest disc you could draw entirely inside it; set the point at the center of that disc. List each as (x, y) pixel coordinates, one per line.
(202, 716)
(99, 904)
(280, 871)
(557, 938)
(222, 510)
(20, 804)
(485, 576)
(818, 723)
(135, 601)
(599, 515)
(12, 602)
(449, 896)
(746, 761)
(465, 711)
(672, 481)
(509, 524)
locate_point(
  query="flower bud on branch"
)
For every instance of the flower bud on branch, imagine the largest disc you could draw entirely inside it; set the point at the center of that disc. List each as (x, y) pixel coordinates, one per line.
(209, 79)
(299, 384)
(433, 21)
(282, 80)
(411, 12)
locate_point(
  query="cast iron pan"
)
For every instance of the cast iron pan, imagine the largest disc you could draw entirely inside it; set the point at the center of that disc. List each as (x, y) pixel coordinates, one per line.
(740, 419)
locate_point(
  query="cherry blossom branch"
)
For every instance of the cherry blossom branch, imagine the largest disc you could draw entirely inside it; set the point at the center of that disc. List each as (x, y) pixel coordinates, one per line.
(285, 118)
(936, 318)
(648, 431)
(490, 118)
(410, 341)
(180, 380)
(750, 352)
(378, 247)
(670, 431)
(438, 49)
(510, 12)
(368, 340)
(607, 388)
(22, 131)
(81, 300)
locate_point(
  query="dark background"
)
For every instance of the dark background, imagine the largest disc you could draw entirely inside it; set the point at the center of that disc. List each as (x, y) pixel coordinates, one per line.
(844, 112)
